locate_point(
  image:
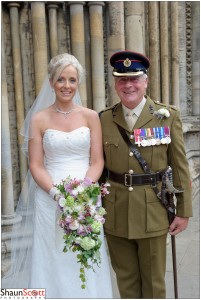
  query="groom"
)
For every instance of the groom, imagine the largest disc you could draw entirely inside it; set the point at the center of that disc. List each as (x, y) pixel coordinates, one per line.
(136, 224)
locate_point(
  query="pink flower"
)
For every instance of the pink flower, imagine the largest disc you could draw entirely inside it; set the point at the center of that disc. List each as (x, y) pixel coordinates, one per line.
(81, 230)
(87, 181)
(104, 190)
(68, 219)
(81, 217)
(99, 218)
(74, 225)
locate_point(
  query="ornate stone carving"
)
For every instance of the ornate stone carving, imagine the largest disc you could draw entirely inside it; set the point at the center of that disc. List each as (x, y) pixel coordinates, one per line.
(189, 58)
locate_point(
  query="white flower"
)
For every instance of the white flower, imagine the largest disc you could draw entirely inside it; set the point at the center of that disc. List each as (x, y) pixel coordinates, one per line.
(80, 189)
(102, 211)
(96, 226)
(78, 240)
(77, 190)
(74, 225)
(67, 210)
(62, 201)
(87, 243)
(159, 114)
(164, 112)
(77, 208)
(74, 192)
(92, 210)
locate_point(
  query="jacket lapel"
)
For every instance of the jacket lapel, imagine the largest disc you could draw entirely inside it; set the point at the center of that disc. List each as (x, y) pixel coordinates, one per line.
(118, 117)
(145, 115)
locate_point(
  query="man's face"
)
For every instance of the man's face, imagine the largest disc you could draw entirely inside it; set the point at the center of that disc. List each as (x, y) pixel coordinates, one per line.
(131, 89)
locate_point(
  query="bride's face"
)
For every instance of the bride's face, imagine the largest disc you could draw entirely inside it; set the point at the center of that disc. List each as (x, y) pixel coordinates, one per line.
(66, 85)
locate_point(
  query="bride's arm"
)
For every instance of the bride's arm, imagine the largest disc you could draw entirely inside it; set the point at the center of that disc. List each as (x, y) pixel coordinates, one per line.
(36, 156)
(96, 152)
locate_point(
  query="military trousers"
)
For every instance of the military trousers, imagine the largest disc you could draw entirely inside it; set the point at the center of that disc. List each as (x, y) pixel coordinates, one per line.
(140, 266)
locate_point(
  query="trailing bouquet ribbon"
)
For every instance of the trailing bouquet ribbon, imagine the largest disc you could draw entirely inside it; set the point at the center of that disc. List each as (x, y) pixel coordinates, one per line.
(81, 217)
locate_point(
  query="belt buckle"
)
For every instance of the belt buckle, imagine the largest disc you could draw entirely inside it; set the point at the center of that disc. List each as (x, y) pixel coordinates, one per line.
(126, 180)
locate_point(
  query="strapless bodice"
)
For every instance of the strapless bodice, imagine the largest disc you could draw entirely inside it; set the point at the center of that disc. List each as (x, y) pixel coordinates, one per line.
(66, 152)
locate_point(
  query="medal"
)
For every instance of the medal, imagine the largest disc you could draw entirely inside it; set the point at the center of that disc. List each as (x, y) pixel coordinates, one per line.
(161, 132)
(162, 135)
(143, 143)
(148, 134)
(153, 142)
(137, 136)
(143, 135)
(167, 134)
(148, 142)
(158, 142)
(157, 135)
(163, 141)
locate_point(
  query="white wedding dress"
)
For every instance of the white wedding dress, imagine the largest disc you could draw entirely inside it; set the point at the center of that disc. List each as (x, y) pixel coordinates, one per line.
(66, 153)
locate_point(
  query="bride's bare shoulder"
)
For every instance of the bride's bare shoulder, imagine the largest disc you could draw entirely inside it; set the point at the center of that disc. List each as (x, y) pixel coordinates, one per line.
(42, 115)
(89, 112)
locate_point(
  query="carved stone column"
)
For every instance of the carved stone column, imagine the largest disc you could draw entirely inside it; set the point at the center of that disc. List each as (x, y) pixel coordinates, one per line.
(164, 33)
(97, 55)
(134, 25)
(27, 57)
(78, 40)
(175, 54)
(154, 50)
(196, 56)
(115, 41)
(17, 69)
(63, 29)
(52, 12)
(39, 43)
(182, 60)
(7, 201)
(6, 163)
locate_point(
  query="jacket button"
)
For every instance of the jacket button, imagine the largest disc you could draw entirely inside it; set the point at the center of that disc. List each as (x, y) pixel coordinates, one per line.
(131, 136)
(130, 171)
(130, 188)
(131, 154)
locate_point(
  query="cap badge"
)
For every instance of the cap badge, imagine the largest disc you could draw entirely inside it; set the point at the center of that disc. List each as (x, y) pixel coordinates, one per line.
(127, 62)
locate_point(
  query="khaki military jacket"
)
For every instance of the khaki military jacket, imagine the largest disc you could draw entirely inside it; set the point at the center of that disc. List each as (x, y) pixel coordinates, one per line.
(139, 213)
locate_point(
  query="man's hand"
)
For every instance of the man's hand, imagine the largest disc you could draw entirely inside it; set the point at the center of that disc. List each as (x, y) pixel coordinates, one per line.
(178, 225)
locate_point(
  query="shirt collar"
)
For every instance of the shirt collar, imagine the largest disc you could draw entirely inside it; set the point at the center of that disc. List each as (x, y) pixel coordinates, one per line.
(137, 110)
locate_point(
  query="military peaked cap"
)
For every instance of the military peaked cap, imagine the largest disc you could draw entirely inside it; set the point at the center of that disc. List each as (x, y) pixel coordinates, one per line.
(128, 63)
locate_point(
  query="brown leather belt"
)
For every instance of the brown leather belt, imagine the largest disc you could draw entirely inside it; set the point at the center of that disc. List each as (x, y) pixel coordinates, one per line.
(135, 179)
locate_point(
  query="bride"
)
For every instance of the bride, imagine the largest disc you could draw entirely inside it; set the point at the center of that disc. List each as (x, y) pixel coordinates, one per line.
(61, 138)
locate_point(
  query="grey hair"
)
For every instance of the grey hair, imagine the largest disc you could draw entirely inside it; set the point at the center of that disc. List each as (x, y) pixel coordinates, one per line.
(59, 62)
(144, 76)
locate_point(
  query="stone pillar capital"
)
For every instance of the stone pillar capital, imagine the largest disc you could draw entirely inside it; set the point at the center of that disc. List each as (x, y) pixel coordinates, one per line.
(50, 5)
(76, 3)
(98, 3)
(13, 4)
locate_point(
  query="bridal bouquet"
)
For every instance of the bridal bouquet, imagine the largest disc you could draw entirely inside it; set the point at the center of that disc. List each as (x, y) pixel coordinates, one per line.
(81, 218)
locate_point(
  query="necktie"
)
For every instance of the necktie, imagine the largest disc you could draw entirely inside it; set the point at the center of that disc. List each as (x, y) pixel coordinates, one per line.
(130, 119)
